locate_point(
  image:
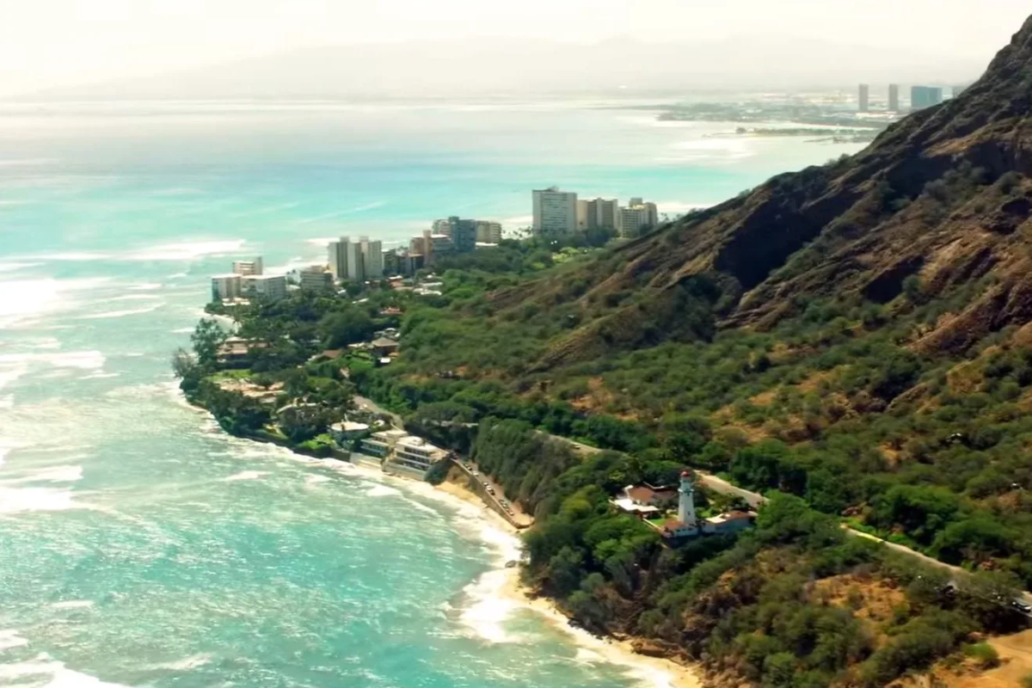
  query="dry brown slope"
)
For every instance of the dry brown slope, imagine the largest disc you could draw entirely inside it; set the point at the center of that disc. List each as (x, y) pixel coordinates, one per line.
(944, 195)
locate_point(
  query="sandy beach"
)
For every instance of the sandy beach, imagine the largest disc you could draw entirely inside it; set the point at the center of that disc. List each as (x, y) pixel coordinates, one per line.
(662, 673)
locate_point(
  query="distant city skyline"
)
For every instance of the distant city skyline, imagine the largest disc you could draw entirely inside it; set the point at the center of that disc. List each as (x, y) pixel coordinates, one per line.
(73, 43)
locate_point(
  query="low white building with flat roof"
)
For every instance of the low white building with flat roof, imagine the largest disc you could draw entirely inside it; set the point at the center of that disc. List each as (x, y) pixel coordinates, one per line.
(226, 287)
(417, 453)
(271, 287)
(402, 452)
(315, 278)
(382, 443)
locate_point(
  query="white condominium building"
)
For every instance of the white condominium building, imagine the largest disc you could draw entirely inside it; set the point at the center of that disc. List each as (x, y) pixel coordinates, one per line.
(315, 278)
(225, 287)
(638, 216)
(356, 261)
(271, 287)
(489, 232)
(555, 212)
(337, 258)
(600, 212)
(372, 258)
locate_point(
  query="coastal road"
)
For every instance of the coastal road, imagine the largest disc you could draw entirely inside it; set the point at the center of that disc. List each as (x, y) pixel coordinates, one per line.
(515, 516)
(579, 447)
(712, 482)
(756, 500)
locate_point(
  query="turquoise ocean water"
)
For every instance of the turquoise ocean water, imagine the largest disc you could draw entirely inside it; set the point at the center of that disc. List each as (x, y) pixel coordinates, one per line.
(139, 545)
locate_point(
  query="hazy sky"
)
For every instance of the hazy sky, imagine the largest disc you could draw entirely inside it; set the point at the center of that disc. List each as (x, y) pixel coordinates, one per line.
(45, 43)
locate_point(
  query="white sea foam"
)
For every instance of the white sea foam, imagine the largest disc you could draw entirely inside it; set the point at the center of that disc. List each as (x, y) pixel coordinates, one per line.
(185, 664)
(72, 604)
(186, 251)
(183, 330)
(54, 673)
(100, 376)
(52, 474)
(27, 499)
(6, 402)
(246, 475)
(15, 366)
(488, 609)
(134, 297)
(76, 256)
(146, 286)
(11, 267)
(382, 491)
(25, 301)
(10, 639)
(121, 314)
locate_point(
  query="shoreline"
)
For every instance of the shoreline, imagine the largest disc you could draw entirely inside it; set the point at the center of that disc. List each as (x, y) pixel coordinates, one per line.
(663, 673)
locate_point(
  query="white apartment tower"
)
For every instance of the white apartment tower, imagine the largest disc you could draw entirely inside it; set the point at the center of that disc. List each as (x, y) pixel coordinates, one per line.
(337, 258)
(636, 217)
(354, 262)
(555, 212)
(602, 213)
(224, 287)
(372, 258)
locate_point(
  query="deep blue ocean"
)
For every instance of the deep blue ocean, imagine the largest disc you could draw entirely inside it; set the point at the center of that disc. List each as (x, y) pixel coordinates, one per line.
(139, 545)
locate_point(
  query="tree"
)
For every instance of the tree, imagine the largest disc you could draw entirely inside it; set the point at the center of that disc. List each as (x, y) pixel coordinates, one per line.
(987, 597)
(185, 368)
(348, 327)
(207, 339)
(301, 423)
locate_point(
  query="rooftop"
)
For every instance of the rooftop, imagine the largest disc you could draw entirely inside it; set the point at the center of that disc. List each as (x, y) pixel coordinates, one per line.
(348, 426)
(629, 506)
(642, 493)
(732, 516)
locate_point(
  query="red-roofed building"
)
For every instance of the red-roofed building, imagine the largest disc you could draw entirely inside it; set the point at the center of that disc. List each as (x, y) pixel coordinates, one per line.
(646, 495)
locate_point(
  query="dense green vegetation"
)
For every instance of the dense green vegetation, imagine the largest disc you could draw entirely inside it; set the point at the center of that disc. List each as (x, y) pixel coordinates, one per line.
(832, 405)
(760, 605)
(830, 411)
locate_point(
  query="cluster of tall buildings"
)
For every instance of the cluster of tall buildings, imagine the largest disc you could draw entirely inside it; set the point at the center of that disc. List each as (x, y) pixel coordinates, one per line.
(466, 234)
(560, 214)
(446, 237)
(921, 97)
(248, 280)
(355, 261)
(557, 214)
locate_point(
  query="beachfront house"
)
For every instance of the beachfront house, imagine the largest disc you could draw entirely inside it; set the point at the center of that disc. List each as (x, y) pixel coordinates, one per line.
(346, 432)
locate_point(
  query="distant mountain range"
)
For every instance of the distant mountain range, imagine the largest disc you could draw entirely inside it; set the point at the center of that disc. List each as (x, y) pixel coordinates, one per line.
(492, 66)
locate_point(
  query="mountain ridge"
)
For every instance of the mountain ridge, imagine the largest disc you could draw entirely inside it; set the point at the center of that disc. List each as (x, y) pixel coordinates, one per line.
(943, 197)
(492, 66)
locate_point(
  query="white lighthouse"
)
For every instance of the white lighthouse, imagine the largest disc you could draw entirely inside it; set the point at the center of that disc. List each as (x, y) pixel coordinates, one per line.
(686, 501)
